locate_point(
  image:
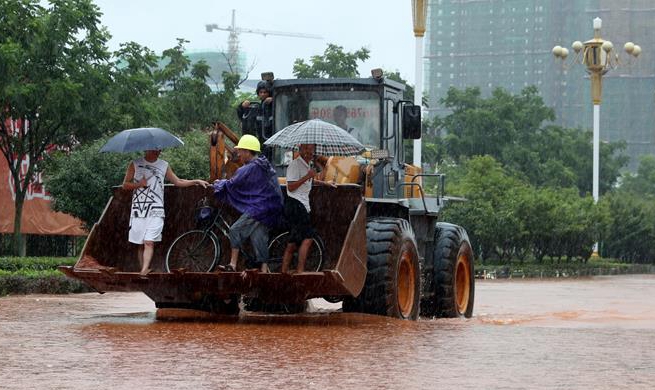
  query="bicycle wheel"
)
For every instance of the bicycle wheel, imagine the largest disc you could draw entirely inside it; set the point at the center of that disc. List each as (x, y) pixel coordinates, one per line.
(276, 252)
(195, 251)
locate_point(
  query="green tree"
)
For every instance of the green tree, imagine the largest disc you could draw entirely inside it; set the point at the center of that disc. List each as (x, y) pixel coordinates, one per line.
(511, 129)
(479, 126)
(559, 223)
(133, 96)
(53, 76)
(334, 62)
(488, 213)
(80, 182)
(630, 227)
(186, 101)
(507, 218)
(642, 183)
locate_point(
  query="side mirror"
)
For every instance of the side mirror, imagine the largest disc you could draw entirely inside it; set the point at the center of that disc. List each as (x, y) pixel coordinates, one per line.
(411, 121)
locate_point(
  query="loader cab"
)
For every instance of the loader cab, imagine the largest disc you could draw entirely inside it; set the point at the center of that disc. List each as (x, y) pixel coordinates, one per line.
(370, 109)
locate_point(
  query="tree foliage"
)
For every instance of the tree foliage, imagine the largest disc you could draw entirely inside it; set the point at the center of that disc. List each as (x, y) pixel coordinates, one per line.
(335, 62)
(133, 96)
(643, 182)
(186, 100)
(61, 88)
(489, 210)
(80, 182)
(629, 231)
(508, 218)
(510, 128)
(53, 79)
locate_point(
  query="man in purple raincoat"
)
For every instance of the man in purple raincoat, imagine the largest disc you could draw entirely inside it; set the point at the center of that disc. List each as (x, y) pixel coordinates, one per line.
(254, 191)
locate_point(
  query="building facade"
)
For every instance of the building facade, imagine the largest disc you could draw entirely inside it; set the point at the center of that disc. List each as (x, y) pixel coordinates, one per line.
(508, 43)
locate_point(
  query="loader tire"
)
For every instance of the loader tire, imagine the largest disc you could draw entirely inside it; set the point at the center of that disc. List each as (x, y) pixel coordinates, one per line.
(449, 284)
(393, 282)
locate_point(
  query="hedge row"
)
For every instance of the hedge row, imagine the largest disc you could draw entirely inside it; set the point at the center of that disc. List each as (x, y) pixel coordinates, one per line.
(566, 270)
(37, 275)
(34, 263)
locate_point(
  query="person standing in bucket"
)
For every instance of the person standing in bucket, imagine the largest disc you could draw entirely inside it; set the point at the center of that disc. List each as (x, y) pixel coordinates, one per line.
(300, 177)
(254, 191)
(145, 177)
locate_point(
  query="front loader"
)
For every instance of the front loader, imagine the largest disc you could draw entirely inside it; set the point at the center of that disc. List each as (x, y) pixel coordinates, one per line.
(386, 250)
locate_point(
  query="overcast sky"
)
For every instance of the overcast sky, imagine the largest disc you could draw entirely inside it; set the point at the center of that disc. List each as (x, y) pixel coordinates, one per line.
(383, 26)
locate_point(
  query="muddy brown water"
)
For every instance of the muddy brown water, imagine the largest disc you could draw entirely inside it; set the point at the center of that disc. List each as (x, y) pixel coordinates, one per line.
(596, 333)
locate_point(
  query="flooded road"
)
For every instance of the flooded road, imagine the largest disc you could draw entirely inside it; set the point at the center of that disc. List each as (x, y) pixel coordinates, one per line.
(557, 334)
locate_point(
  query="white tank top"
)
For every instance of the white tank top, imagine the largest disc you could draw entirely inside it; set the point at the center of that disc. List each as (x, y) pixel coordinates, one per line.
(149, 201)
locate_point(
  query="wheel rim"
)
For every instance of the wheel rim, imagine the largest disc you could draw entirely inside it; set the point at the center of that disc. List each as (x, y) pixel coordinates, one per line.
(406, 283)
(195, 251)
(462, 283)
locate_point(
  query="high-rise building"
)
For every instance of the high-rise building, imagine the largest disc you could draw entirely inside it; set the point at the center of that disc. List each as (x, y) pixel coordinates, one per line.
(508, 43)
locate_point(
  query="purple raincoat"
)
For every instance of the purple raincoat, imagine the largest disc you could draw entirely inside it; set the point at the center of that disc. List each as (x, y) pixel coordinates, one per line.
(255, 191)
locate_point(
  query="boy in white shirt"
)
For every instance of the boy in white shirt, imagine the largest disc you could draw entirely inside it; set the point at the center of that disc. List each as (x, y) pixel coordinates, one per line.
(300, 177)
(145, 176)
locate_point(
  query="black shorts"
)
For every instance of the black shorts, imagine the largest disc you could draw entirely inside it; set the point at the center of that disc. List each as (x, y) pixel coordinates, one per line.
(300, 224)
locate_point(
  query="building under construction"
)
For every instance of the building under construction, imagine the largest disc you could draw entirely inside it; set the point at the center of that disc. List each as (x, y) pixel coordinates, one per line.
(508, 43)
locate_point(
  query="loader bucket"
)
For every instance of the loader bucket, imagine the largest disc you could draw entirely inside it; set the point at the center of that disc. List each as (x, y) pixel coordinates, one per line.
(108, 262)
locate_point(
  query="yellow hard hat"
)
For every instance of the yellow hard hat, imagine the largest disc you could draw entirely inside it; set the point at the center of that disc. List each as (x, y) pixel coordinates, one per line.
(249, 142)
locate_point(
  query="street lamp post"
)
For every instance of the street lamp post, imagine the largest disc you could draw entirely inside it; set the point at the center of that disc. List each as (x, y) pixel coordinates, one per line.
(419, 12)
(599, 57)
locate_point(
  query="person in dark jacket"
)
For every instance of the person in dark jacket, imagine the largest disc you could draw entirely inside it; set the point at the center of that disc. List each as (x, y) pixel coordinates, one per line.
(254, 191)
(257, 119)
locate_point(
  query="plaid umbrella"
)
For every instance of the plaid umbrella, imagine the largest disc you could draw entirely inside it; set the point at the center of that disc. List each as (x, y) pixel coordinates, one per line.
(145, 138)
(330, 140)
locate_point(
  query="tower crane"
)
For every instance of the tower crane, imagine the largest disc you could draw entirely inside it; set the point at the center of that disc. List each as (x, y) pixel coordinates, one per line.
(233, 38)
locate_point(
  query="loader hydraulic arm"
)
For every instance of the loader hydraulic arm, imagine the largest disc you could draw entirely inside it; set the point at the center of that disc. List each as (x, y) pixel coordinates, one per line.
(221, 155)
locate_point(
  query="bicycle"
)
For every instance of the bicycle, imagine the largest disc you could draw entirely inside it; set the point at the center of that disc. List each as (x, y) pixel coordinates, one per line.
(199, 250)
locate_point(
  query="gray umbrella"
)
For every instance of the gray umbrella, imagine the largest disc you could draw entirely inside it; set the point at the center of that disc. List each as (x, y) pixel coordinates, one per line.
(145, 138)
(330, 140)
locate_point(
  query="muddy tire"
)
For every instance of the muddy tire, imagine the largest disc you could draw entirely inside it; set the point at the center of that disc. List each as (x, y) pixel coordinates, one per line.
(392, 286)
(449, 284)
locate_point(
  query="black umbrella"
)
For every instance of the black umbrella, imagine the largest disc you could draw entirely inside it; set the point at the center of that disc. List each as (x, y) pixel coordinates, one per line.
(145, 138)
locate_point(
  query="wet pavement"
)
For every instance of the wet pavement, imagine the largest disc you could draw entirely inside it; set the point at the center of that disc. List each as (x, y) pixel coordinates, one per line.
(548, 334)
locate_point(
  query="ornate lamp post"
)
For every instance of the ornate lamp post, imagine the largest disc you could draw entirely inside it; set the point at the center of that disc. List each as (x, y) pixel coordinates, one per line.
(419, 12)
(599, 57)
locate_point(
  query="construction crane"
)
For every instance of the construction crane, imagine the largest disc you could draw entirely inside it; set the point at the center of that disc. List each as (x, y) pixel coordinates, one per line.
(233, 39)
